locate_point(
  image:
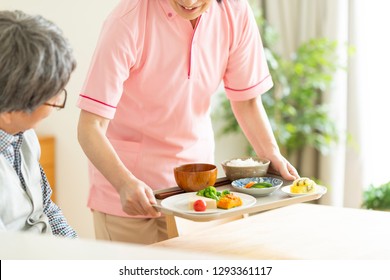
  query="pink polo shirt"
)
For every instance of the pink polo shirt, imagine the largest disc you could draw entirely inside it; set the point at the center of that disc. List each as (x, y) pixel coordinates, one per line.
(153, 75)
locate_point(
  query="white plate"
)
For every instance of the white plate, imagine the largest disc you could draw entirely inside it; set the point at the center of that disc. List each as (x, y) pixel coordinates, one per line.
(317, 189)
(179, 203)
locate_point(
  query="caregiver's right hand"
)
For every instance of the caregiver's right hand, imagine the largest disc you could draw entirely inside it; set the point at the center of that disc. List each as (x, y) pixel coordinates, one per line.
(137, 199)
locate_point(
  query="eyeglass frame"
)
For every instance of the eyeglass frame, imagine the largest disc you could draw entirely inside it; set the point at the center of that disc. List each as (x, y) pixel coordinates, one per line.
(59, 107)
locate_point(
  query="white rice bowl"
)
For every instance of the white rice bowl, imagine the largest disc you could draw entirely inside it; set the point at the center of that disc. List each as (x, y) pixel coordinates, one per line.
(244, 163)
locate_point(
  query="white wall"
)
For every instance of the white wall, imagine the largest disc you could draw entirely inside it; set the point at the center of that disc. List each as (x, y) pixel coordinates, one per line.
(81, 21)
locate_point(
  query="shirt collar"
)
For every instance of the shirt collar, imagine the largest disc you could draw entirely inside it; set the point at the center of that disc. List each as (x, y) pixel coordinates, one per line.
(169, 11)
(8, 139)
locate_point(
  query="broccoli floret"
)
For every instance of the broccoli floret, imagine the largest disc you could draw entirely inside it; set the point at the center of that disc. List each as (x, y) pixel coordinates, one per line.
(211, 192)
(225, 192)
(201, 192)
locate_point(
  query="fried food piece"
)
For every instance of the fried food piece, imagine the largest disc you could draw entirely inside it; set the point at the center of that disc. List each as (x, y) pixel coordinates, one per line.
(229, 201)
(303, 185)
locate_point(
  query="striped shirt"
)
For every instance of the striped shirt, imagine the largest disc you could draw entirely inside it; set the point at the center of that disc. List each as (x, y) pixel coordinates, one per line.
(10, 149)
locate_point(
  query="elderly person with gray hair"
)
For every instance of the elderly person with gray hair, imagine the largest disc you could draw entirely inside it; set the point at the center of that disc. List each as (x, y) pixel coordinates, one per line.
(36, 62)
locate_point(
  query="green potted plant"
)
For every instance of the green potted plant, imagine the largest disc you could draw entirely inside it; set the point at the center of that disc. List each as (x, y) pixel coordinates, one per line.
(377, 197)
(294, 105)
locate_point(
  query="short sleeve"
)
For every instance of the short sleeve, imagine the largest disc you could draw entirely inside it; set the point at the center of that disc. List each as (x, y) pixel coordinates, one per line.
(109, 69)
(247, 74)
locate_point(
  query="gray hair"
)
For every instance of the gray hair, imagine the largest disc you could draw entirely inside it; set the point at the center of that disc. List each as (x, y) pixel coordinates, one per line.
(36, 61)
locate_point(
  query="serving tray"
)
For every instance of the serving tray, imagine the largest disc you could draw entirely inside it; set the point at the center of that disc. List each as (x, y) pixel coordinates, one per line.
(275, 200)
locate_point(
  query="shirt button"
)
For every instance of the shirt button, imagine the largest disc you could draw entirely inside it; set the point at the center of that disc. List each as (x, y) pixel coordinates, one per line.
(170, 14)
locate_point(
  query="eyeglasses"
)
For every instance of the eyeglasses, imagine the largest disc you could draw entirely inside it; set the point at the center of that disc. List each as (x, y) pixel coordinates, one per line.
(61, 100)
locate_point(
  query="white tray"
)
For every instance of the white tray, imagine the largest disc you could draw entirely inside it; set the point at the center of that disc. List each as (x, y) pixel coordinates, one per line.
(275, 200)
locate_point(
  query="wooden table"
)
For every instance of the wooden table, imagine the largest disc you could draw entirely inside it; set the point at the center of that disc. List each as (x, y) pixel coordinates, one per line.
(300, 231)
(30, 246)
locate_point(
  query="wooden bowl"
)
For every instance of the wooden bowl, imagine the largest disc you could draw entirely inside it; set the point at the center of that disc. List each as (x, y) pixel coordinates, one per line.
(195, 176)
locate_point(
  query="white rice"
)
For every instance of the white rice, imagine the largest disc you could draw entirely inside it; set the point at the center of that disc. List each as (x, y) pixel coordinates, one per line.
(240, 162)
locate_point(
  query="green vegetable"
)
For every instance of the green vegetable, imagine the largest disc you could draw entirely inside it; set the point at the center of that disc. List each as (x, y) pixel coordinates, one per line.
(211, 192)
(261, 185)
(200, 193)
(225, 192)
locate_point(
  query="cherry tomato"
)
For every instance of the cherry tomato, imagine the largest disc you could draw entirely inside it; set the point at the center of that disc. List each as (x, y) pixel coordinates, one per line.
(200, 205)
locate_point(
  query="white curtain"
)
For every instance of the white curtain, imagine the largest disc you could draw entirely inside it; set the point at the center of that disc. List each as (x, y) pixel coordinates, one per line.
(297, 21)
(369, 79)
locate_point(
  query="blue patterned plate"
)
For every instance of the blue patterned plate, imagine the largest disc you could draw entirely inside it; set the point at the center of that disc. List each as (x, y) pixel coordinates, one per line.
(239, 185)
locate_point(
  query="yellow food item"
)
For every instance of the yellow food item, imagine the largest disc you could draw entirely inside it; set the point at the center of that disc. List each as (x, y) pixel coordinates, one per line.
(303, 185)
(229, 201)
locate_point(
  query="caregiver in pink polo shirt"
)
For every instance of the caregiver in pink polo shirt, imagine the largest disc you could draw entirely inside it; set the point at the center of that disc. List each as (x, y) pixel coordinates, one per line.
(146, 103)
